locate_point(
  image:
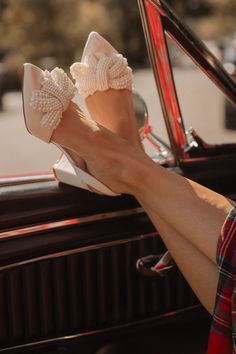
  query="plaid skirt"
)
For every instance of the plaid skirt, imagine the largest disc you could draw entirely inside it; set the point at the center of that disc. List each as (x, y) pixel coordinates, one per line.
(223, 330)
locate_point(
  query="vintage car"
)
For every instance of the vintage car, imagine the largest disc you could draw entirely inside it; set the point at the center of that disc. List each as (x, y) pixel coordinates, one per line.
(76, 271)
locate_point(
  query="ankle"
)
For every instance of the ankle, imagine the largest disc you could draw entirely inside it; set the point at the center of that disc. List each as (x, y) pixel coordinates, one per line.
(136, 171)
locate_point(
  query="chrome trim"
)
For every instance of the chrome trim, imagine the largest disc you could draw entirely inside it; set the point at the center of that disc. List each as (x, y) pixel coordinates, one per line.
(78, 250)
(162, 68)
(68, 222)
(16, 180)
(100, 331)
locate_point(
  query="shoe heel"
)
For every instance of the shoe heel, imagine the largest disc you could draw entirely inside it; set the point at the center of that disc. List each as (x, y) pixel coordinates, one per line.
(70, 174)
(64, 172)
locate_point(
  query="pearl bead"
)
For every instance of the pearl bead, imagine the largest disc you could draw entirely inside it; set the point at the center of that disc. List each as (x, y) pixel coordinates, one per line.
(53, 98)
(101, 74)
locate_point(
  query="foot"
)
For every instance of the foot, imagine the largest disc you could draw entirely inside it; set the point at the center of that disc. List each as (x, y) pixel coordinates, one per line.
(102, 67)
(114, 110)
(51, 116)
(108, 157)
(104, 79)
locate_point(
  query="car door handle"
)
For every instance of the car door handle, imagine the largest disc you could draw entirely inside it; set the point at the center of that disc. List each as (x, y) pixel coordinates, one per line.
(155, 265)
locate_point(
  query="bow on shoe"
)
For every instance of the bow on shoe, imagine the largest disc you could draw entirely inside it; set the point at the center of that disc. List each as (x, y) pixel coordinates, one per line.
(53, 98)
(100, 74)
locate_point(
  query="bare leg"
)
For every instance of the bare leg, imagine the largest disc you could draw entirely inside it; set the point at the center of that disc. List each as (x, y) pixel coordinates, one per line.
(192, 210)
(114, 110)
(193, 264)
(182, 205)
(198, 270)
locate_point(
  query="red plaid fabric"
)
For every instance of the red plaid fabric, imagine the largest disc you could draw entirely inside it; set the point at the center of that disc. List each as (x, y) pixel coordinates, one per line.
(223, 331)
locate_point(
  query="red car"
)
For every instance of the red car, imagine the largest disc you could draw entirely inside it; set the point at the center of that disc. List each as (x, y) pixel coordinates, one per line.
(75, 267)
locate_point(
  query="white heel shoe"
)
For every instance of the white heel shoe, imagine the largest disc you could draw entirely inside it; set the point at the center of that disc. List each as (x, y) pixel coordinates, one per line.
(101, 68)
(64, 172)
(46, 95)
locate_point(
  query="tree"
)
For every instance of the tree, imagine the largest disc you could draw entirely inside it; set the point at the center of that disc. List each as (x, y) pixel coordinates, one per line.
(51, 28)
(58, 28)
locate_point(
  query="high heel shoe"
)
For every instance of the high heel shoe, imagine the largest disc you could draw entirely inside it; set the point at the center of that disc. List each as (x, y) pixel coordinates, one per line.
(46, 95)
(100, 69)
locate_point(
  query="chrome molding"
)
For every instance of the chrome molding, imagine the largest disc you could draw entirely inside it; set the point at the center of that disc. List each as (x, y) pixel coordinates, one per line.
(68, 223)
(103, 330)
(158, 20)
(164, 78)
(78, 250)
(34, 178)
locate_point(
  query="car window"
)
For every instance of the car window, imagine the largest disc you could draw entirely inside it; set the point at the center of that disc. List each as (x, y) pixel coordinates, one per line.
(203, 106)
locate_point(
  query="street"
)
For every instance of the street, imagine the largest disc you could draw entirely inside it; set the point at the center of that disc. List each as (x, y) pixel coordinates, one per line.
(202, 107)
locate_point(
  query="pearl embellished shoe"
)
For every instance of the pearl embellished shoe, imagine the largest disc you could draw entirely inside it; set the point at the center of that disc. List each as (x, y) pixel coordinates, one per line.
(46, 95)
(101, 68)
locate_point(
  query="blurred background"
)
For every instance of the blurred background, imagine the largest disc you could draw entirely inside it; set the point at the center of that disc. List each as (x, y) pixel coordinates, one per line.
(52, 33)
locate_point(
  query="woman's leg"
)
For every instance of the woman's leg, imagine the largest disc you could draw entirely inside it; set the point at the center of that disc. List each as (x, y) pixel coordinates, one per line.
(188, 215)
(194, 211)
(190, 260)
(198, 270)
(114, 110)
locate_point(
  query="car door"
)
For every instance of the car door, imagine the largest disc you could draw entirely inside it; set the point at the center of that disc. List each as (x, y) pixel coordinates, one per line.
(69, 281)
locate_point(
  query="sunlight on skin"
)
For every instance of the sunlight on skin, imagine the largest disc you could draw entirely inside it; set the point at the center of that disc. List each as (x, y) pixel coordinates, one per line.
(188, 216)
